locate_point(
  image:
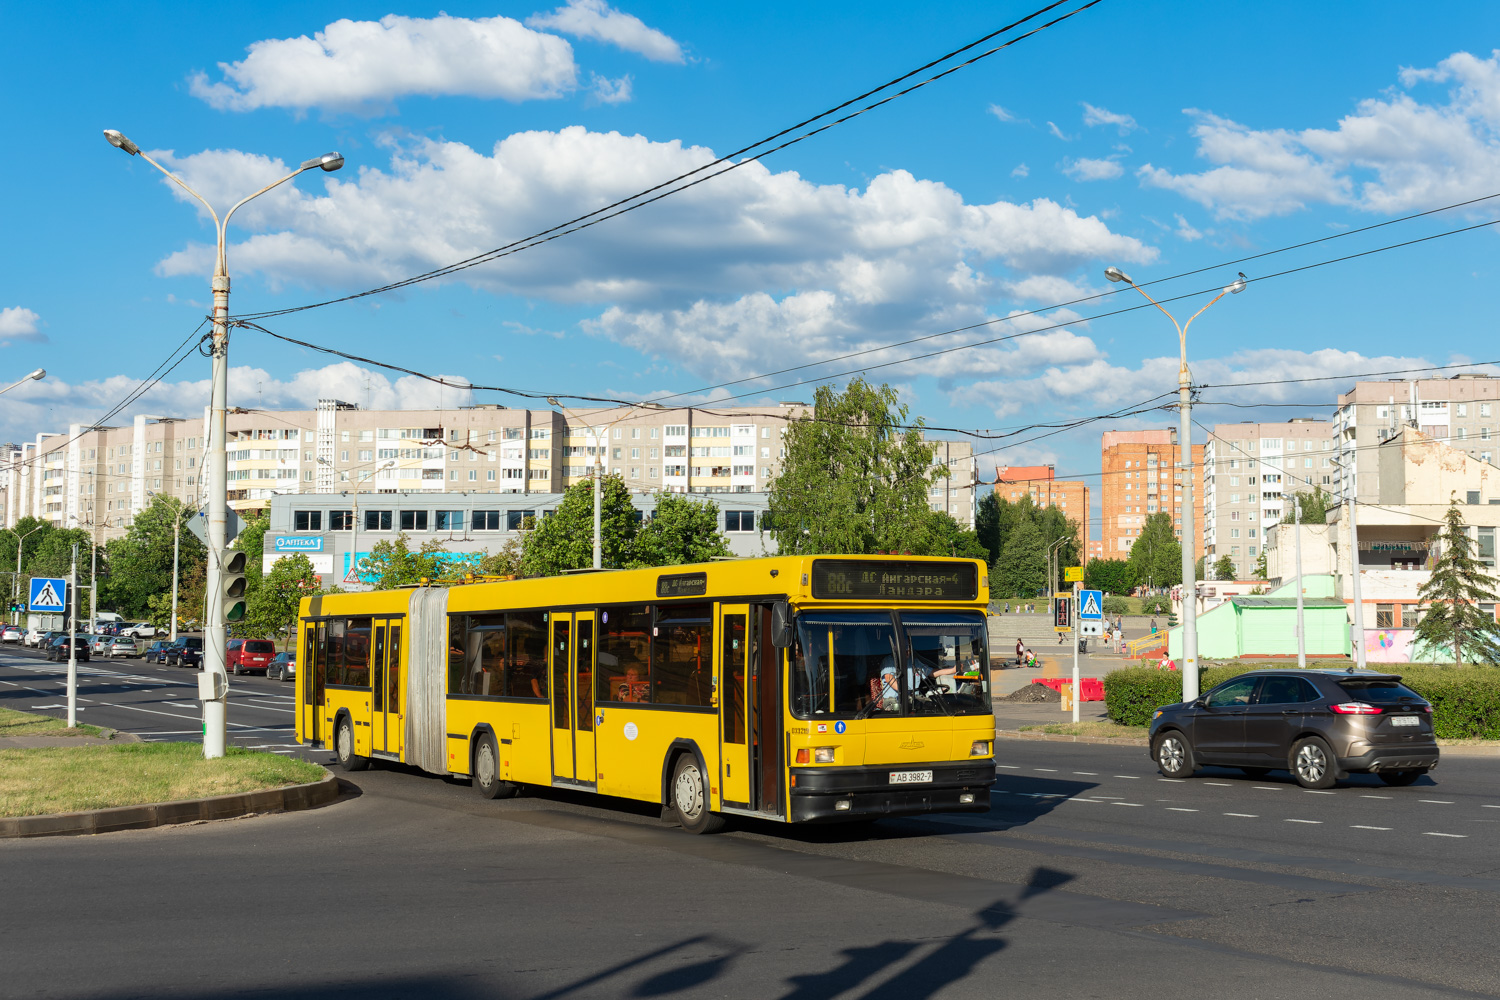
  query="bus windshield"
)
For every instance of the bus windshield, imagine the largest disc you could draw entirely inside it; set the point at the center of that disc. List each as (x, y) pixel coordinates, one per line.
(856, 664)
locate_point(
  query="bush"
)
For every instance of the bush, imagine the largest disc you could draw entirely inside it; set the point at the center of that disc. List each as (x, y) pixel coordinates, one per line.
(1116, 605)
(1156, 606)
(1465, 700)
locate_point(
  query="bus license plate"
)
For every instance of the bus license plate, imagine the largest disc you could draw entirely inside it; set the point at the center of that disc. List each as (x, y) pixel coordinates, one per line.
(1403, 720)
(910, 777)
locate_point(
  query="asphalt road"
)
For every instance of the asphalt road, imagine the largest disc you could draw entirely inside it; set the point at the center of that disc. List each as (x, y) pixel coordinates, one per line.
(1091, 877)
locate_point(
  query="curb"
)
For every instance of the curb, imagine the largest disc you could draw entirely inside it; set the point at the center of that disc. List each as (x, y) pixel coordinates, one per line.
(290, 798)
(1137, 741)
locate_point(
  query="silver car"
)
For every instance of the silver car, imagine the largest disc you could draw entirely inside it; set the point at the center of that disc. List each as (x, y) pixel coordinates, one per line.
(98, 644)
(121, 645)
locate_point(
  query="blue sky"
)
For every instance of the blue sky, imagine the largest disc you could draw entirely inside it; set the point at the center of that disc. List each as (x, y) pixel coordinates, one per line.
(1159, 137)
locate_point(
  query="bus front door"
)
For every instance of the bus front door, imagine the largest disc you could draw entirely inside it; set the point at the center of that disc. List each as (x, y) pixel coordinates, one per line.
(765, 714)
(734, 747)
(562, 698)
(310, 679)
(583, 697)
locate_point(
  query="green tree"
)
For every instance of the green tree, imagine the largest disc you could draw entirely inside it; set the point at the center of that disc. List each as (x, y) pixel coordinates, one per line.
(506, 562)
(1260, 566)
(1156, 555)
(946, 538)
(1022, 567)
(1224, 568)
(1113, 576)
(140, 564)
(1314, 506)
(251, 541)
(393, 563)
(272, 612)
(855, 477)
(682, 530)
(566, 539)
(987, 523)
(1452, 595)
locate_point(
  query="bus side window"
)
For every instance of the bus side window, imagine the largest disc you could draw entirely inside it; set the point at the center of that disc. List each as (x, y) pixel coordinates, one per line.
(734, 678)
(682, 656)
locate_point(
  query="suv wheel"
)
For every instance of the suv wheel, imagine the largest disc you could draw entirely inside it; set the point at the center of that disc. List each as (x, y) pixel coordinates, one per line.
(1312, 763)
(1174, 755)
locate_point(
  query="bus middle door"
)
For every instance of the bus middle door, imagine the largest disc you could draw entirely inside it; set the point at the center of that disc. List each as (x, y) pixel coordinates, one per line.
(583, 697)
(561, 657)
(734, 748)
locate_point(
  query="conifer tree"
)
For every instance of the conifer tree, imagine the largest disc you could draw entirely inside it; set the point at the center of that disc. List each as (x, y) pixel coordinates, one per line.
(1452, 596)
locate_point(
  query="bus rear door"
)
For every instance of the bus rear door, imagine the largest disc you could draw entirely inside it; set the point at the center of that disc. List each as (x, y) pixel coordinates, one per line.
(310, 679)
(734, 747)
(561, 659)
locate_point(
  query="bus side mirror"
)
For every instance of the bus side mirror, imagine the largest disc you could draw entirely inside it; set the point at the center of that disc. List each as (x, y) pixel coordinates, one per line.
(781, 625)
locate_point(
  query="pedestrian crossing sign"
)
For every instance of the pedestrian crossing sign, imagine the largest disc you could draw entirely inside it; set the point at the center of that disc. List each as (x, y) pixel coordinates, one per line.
(1091, 604)
(48, 594)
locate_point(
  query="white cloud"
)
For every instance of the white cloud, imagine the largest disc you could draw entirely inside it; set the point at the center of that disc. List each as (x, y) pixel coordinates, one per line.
(1185, 230)
(1099, 116)
(1085, 169)
(1058, 133)
(1002, 114)
(1021, 170)
(20, 323)
(356, 64)
(683, 279)
(1394, 154)
(607, 91)
(601, 22)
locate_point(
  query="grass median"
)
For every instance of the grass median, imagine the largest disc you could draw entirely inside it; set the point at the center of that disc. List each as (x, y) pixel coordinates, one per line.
(13, 723)
(38, 782)
(1098, 728)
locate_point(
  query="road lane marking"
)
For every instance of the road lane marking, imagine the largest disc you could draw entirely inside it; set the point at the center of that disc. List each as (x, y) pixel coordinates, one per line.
(1456, 836)
(1132, 777)
(1384, 797)
(1089, 773)
(1220, 784)
(1179, 809)
(1243, 815)
(1267, 788)
(1489, 807)
(1361, 826)
(1010, 767)
(1109, 796)
(1136, 804)
(1315, 791)
(1438, 802)
(1051, 770)
(1177, 781)
(1315, 822)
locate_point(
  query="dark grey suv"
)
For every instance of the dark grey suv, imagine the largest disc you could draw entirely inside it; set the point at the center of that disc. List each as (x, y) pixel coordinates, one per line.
(1318, 724)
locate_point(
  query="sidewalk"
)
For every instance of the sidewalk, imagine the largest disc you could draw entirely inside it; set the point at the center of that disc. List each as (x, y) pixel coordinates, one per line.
(1056, 662)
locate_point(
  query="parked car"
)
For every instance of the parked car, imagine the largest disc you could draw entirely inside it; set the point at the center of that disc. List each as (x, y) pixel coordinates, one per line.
(176, 650)
(99, 644)
(11, 634)
(247, 655)
(138, 630)
(283, 667)
(1317, 724)
(58, 650)
(156, 652)
(120, 645)
(191, 656)
(47, 638)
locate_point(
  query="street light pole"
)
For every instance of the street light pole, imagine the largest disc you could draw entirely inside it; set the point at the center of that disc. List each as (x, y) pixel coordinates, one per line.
(215, 710)
(598, 474)
(1185, 467)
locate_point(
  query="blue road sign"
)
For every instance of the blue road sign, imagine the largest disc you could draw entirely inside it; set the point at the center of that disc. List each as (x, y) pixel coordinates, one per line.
(1091, 604)
(48, 594)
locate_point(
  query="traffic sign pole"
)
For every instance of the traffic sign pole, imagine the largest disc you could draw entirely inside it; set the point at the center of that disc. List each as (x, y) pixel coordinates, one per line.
(73, 644)
(1077, 639)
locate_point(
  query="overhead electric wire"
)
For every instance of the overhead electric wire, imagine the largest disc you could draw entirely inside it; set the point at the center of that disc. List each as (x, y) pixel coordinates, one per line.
(640, 200)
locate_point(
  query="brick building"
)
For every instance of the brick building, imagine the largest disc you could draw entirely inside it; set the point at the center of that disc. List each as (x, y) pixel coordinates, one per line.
(1040, 483)
(1140, 479)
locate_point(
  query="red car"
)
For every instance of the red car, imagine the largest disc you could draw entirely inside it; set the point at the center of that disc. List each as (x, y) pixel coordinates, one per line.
(247, 655)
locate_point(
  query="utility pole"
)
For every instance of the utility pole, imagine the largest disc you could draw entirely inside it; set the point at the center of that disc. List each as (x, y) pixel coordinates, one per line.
(73, 643)
(1077, 638)
(1357, 607)
(1301, 629)
(176, 549)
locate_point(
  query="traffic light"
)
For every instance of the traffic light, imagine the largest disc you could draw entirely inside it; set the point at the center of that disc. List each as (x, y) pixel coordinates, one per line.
(232, 582)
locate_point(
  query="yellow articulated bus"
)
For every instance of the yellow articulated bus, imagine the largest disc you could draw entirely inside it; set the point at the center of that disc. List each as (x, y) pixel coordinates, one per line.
(802, 689)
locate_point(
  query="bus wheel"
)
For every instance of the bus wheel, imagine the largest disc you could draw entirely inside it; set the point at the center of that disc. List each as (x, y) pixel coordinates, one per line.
(690, 798)
(343, 747)
(486, 777)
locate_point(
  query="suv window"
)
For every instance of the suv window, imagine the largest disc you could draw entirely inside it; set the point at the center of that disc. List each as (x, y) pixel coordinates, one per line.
(192, 642)
(1380, 692)
(259, 646)
(1235, 692)
(1285, 691)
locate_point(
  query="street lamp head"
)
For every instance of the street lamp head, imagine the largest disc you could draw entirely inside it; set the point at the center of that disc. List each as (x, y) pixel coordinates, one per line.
(1115, 274)
(1238, 286)
(118, 140)
(552, 401)
(39, 373)
(328, 161)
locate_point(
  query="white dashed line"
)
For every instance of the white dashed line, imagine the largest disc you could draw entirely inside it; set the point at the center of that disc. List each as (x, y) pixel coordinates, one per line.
(1175, 781)
(1109, 796)
(1219, 784)
(1179, 809)
(1243, 815)
(1010, 767)
(1384, 797)
(1315, 822)
(1315, 791)
(1437, 802)
(1136, 804)
(1267, 788)
(1050, 770)
(1131, 777)
(1360, 826)
(1089, 773)
(1456, 836)
(1489, 807)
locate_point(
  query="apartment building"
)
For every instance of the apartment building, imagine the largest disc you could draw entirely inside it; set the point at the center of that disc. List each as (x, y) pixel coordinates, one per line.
(1040, 483)
(1462, 411)
(1249, 471)
(100, 476)
(1140, 478)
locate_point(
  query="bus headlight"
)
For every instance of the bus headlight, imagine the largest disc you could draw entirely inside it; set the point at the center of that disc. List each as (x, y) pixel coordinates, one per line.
(980, 748)
(823, 755)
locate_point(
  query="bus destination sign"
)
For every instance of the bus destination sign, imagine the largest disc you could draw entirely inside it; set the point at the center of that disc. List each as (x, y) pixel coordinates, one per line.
(682, 585)
(893, 580)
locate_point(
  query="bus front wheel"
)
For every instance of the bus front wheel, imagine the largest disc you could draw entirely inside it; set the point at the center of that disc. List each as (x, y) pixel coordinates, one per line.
(486, 777)
(690, 798)
(343, 745)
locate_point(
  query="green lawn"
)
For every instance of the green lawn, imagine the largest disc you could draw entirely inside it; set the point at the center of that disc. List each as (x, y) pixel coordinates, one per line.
(36, 782)
(13, 723)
